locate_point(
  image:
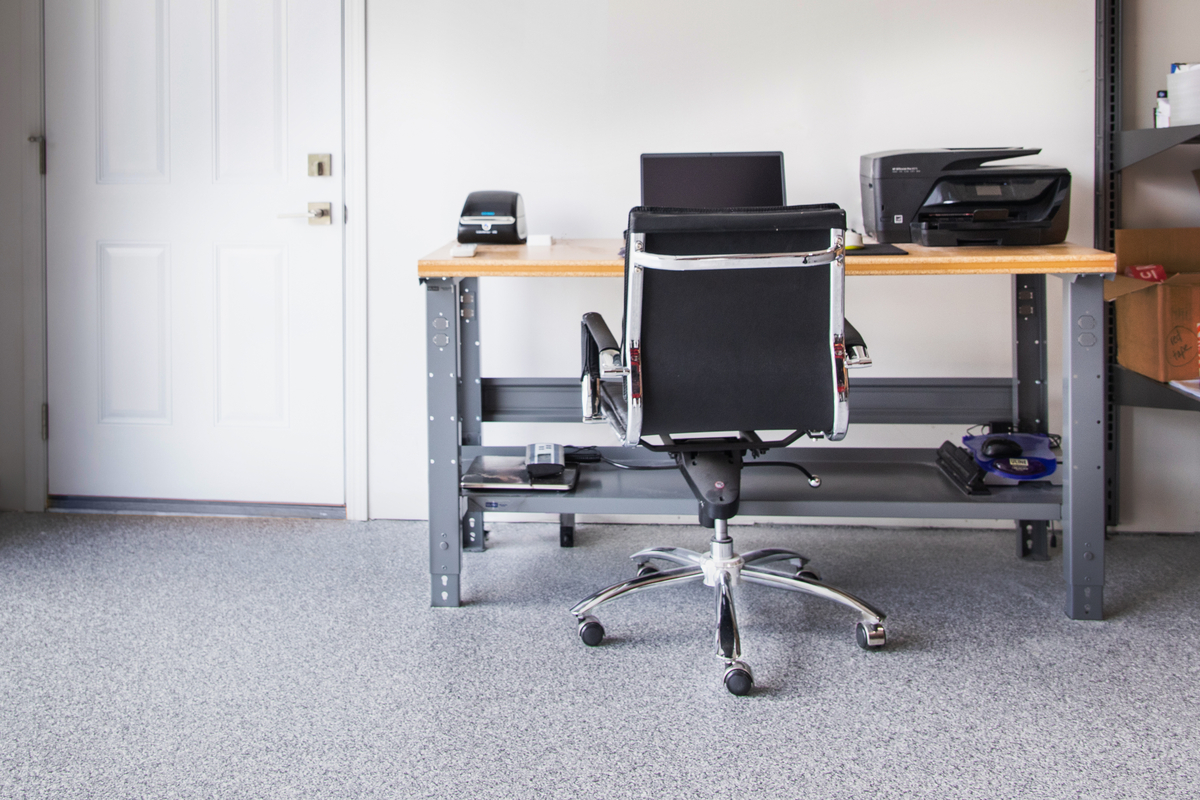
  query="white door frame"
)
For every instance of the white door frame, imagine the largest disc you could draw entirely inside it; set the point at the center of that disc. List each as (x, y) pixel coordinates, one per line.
(354, 109)
(354, 144)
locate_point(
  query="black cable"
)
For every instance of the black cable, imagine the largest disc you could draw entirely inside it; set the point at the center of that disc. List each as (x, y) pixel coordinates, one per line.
(813, 480)
(619, 465)
(1055, 439)
(581, 455)
(591, 454)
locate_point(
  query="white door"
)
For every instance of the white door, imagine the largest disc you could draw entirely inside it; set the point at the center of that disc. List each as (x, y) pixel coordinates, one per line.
(194, 336)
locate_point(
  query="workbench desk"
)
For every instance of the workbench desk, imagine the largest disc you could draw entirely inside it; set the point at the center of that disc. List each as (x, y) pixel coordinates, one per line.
(858, 482)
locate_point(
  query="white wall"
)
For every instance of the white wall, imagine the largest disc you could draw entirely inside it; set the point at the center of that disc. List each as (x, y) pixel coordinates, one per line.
(1160, 450)
(557, 99)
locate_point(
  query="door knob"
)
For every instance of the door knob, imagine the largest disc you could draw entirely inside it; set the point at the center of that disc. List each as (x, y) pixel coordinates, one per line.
(317, 214)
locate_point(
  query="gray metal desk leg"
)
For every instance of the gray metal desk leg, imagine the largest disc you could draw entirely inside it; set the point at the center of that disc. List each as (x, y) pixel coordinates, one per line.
(442, 344)
(470, 399)
(1031, 396)
(1083, 445)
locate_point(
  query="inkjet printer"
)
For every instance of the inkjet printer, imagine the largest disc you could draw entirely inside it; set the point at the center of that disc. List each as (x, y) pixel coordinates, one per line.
(947, 197)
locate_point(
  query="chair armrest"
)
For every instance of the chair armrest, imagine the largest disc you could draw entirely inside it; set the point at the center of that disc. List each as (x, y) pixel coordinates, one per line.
(595, 325)
(601, 353)
(856, 348)
(601, 363)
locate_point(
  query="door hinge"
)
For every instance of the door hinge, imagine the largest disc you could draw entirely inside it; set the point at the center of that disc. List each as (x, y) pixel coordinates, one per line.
(45, 422)
(40, 141)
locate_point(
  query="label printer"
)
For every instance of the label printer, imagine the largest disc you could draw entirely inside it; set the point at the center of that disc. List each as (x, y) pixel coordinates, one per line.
(492, 218)
(947, 197)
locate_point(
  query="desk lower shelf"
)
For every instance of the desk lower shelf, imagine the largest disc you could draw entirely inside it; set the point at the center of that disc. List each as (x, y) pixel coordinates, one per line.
(855, 482)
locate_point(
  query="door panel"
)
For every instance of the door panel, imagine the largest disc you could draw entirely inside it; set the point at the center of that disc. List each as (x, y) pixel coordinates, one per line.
(134, 324)
(249, 90)
(194, 336)
(132, 91)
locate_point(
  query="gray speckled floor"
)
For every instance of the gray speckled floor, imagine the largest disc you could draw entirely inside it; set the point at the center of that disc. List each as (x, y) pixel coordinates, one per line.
(186, 657)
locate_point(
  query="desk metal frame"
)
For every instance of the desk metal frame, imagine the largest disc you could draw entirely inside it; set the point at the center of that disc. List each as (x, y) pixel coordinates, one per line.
(857, 481)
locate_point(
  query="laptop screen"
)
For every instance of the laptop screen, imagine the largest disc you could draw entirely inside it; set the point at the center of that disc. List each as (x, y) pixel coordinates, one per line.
(712, 180)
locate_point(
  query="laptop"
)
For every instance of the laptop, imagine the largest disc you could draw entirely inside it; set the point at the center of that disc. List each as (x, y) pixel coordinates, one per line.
(713, 180)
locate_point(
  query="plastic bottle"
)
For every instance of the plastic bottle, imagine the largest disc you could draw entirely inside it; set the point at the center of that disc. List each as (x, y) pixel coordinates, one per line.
(1162, 111)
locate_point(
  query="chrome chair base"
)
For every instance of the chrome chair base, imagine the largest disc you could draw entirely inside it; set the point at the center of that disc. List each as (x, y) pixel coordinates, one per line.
(723, 569)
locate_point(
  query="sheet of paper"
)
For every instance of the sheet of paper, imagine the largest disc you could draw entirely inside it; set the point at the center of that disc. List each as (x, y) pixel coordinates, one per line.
(1191, 387)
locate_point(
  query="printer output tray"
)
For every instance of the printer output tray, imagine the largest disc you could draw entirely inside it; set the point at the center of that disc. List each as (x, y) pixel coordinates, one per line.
(1005, 235)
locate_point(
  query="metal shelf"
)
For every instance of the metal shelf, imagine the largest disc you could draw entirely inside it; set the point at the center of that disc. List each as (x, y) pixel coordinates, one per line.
(927, 401)
(1133, 389)
(1134, 146)
(855, 482)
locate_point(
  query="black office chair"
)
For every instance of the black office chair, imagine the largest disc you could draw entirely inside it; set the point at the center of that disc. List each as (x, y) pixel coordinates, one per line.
(733, 325)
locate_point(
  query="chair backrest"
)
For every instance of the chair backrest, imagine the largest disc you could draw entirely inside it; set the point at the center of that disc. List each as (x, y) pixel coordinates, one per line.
(733, 320)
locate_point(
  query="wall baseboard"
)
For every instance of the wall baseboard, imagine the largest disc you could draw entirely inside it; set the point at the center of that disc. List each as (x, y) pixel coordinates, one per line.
(139, 505)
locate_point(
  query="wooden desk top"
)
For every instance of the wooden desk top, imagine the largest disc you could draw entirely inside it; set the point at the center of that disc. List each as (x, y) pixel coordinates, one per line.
(597, 258)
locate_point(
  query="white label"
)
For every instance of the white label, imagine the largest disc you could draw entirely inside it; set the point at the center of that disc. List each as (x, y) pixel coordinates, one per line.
(899, 218)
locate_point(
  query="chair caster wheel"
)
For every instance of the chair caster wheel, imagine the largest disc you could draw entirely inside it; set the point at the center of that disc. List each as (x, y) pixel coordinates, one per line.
(644, 569)
(591, 631)
(809, 575)
(738, 679)
(870, 636)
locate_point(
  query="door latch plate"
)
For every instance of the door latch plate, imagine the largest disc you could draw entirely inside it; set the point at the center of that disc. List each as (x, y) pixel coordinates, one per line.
(320, 165)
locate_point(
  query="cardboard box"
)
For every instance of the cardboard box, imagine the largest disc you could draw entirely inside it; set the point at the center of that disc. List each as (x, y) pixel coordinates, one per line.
(1157, 331)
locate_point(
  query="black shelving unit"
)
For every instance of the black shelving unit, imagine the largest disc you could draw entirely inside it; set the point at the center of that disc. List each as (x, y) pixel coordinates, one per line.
(1116, 150)
(1105, 209)
(1133, 389)
(1134, 146)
